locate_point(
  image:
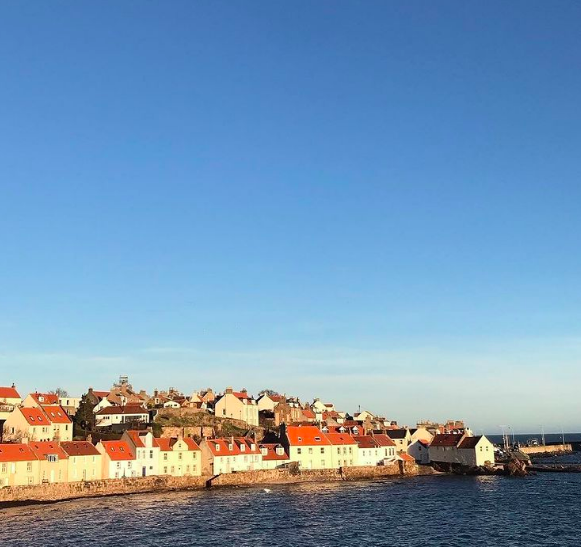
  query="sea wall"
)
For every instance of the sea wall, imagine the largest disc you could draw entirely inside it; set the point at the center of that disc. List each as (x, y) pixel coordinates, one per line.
(546, 450)
(47, 493)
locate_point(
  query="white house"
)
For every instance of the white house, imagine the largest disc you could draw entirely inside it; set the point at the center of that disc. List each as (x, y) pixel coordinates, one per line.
(273, 455)
(117, 460)
(230, 455)
(344, 450)
(461, 449)
(145, 450)
(115, 415)
(420, 451)
(308, 446)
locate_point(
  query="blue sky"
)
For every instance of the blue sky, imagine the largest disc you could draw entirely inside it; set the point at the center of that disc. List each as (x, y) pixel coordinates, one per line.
(377, 203)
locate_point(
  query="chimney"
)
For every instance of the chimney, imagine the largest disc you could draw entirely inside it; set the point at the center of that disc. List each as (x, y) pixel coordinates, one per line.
(90, 438)
(229, 390)
(13, 385)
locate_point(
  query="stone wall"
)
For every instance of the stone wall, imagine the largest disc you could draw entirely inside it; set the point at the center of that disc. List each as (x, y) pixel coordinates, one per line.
(548, 449)
(46, 493)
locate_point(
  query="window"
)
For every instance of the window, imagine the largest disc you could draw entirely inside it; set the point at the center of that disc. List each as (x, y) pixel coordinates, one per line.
(310, 450)
(165, 456)
(128, 465)
(165, 469)
(299, 451)
(322, 463)
(180, 456)
(322, 450)
(172, 469)
(151, 454)
(28, 467)
(118, 465)
(4, 467)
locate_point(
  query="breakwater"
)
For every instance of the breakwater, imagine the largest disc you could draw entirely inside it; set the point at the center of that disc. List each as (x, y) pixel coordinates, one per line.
(50, 493)
(546, 450)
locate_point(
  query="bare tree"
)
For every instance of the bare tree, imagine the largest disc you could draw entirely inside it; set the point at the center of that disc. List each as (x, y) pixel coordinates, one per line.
(59, 392)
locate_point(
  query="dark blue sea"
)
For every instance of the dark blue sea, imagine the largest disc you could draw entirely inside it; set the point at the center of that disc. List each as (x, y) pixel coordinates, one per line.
(434, 511)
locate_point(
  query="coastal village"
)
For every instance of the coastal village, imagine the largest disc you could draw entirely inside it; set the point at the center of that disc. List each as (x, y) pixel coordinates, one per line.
(123, 432)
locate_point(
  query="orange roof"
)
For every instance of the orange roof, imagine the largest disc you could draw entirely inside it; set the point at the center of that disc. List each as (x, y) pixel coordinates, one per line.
(306, 435)
(45, 398)
(166, 443)
(383, 440)
(56, 414)
(366, 441)
(192, 445)
(117, 450)
(341, 438)
(9, 393)
(16, 453)
(43, 449)
(79, 448)
(136, 437)
(406, 457)
(35, 416)
(308, 413)
(225, 447)
(271, 454)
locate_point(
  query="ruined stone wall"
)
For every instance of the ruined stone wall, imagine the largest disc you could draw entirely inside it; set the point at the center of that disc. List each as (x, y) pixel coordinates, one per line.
(548, 449)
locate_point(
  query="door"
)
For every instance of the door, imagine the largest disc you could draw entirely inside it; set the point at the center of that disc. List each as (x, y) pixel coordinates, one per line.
(52, 475)
(143, 471)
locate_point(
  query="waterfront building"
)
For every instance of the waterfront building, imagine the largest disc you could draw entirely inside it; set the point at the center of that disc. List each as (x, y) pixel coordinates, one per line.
(53, 464)
(230, 455)
(308, 446)
(9, 400)
(123, 416)
(374, 449)
(19, 466)
(84, 461)
(117, 460)
(273, 455)
(145, 450)
(461, 449)
(420, 451)
(344, 449)
(179, 457)
(237, 405)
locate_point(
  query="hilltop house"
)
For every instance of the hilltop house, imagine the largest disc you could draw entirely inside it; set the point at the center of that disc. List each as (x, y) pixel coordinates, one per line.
(121, 416)
(38, 400)
(35, 424)
(237, 405)
(9, 400)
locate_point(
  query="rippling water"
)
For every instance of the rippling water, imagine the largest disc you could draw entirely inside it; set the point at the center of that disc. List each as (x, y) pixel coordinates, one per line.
(435, 511)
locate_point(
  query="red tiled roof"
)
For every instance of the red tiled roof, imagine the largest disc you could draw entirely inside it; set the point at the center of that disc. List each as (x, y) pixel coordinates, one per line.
(8, 393)
(47, 398)
(307, 413)
(56, 414)
(117, 450)
(225, 447)
(271, 454)
(306, 435)
(365, 441)
(469, 442)
(135, 436)
(406, 457)
(340, 438)
(192, 445)
(34, 416)
(241, 395)
(447, 439)
(43, 449)
(16, 453)
(101, 394)
(79, 448)
(383, 440)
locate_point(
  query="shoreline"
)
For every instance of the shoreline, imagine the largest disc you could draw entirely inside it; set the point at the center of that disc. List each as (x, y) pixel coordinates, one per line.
(18, 496)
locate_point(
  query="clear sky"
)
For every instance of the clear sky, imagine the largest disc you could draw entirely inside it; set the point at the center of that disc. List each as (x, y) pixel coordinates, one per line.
(377, 203)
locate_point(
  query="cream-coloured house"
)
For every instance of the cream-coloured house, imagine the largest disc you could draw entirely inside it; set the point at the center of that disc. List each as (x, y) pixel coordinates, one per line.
(461, 449)
(62, 426)
(179, 457)
(70, 404)
(38, 400)
(53, 461)
(269, 402)
(117, 460)
(18, 465)
(344, 450)
(9, 400)
(230, 455)
(237, 405)
(374, 450)
(401, 438)
(28, 423)
(145, 450)
(84, 461)
(308, 446)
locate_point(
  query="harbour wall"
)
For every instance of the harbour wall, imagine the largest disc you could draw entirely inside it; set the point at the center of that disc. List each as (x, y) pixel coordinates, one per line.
(49, 493)
(546, 450)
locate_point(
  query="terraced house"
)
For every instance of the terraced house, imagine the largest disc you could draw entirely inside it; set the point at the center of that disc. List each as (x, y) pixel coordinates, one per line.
(230, 455)
(19, 466)
(84, 461)
(179, 457)
(308, 446)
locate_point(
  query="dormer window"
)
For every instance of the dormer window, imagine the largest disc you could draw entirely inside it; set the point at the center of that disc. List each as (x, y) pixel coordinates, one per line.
(217, 448)
(32, 418)
(317, 438)
(300, 439)
(242, 447)
(264, 451)
(279, 450)
(230, 447)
